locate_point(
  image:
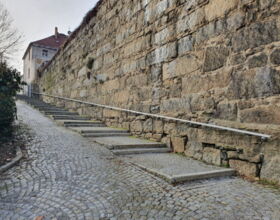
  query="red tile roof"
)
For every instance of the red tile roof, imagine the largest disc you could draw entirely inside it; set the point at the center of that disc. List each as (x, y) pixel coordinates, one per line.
(52, 42)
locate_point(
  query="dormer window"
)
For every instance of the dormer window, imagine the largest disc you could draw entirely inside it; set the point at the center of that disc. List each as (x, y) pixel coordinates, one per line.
(44, 53)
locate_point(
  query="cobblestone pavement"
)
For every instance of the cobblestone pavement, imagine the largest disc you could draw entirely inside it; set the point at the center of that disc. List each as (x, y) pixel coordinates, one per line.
(67, 177)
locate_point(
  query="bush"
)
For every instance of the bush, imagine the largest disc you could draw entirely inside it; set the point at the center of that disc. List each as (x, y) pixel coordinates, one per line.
(10, 84)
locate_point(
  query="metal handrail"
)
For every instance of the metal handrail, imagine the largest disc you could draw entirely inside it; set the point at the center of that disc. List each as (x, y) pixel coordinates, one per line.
(263, 136)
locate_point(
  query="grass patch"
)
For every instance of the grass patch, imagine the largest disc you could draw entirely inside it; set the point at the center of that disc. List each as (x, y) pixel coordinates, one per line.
(180, 154)
(269, 183)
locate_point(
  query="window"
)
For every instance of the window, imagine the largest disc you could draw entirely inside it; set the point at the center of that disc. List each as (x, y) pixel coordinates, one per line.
(28, 73)
(29, 55)
(44, 53)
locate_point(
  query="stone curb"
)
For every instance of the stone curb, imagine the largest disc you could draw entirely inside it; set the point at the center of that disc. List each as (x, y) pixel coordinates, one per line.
(9, 165)
(188, 177)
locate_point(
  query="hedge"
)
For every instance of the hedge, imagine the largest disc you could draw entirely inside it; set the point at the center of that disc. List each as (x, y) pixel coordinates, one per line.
(10, 84)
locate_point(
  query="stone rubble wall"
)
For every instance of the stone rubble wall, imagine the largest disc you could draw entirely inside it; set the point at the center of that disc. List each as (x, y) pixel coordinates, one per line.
(212, 61)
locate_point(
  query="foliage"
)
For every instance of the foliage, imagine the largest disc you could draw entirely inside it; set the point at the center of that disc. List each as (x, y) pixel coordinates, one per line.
(10, 84)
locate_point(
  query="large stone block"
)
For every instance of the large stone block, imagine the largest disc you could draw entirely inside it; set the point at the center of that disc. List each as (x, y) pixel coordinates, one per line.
(271, 168)
(194, 150)
(200, 102)
(121, 97)
(191, 21)
(82, 71)
(110, 85)
(136, 126)
(196, 18)
(178, 144)
(163, 53)
(261, 114)
(197, 82)
(191, 4)
(107, 113)
(148, 125)
(212, 156)
(175, 105)
(244, 168)
(156, 73)
(83, 93)
(167, 141)
(169, 128)
(226, 110)
(219, 8)
(181, 66)
(264, 4)
(236, 21)
(185, 44)
(275, 57)
(164, 35)
(215, 58)
(158, 126)
(255, 35)
(259, 60)
(259, 82)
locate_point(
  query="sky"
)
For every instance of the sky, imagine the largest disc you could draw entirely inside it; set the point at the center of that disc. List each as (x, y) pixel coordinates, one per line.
(37, 19)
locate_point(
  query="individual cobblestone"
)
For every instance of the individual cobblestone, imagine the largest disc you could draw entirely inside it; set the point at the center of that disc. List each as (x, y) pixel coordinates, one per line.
(67, 177)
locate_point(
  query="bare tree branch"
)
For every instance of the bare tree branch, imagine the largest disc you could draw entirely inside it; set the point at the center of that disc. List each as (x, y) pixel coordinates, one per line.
(9, 36)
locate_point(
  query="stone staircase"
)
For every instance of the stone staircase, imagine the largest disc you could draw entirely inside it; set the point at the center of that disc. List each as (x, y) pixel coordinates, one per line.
(150, 156)
(97, 131)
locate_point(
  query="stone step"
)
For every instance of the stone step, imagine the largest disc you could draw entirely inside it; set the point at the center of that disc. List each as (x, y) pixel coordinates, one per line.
(92, 135)
(83, 125)
(36, 101)
(77, 123)
(40, 104)
(141, 151)
(45, 106)
(95, 130)
(60, 113)
(50, 109)
(98, 130)
(70, 117)
(176, 168)
(42, 107)
(117, 143)
(142, 146)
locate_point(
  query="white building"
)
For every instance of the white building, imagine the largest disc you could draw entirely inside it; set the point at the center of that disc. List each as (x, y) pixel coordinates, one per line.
(39, 53)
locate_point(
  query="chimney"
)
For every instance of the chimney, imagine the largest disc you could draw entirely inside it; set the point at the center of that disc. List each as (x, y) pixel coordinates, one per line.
(56, 32)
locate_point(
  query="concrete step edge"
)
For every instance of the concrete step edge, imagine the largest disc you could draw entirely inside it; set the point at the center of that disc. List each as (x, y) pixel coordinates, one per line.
(106, 135)
(105, 131)
(141, 151)
(82, 125)
(135, 146)
(70, 118)
(188, 177)
(64, 113)
(83, 122)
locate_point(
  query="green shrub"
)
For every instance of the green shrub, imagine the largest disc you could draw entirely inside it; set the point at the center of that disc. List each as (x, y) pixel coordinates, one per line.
(10, 84)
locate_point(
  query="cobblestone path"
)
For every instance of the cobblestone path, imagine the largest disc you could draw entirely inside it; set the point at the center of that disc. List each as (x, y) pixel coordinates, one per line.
(67, 177)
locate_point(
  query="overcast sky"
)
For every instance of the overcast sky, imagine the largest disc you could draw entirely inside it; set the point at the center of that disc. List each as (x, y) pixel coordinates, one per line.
(36, 19)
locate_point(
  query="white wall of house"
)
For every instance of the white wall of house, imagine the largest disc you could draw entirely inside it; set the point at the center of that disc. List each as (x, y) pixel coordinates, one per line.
(34, 59)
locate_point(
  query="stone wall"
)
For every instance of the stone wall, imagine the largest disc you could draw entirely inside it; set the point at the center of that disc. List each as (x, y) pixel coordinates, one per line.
(212, 61)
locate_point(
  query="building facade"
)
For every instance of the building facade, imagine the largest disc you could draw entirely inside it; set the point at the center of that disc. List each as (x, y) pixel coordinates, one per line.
(38, 54)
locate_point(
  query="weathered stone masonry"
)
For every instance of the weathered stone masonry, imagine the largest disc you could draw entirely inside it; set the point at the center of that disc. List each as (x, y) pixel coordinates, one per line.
(206, 60)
